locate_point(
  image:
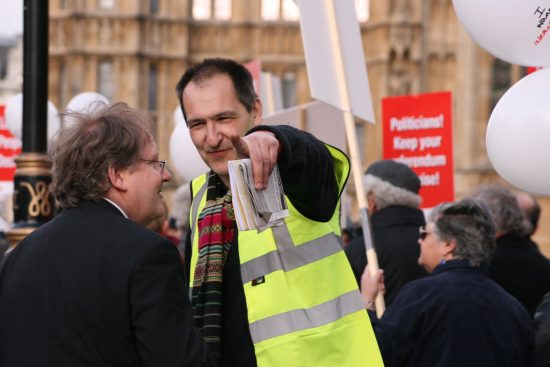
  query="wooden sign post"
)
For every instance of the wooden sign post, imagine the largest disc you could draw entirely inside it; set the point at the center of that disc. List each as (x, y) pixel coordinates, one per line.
(338, 76)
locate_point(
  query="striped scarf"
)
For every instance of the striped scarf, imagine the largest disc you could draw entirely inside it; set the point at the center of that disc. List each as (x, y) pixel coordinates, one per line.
(216, 224)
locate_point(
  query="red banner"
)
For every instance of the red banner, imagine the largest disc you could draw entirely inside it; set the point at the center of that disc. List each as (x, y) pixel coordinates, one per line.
(10, 147)
(417, 131)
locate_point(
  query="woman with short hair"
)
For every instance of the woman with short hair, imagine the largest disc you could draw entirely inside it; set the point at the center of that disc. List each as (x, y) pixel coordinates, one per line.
(456, 316)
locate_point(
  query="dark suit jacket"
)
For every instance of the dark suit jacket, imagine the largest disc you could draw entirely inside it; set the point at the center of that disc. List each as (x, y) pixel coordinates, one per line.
(92, 288)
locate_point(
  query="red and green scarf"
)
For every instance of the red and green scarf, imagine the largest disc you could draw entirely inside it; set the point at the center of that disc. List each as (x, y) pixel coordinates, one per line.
(216, 225)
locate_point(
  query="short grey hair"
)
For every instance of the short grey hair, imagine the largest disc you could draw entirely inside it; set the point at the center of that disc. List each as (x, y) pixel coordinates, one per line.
(469, 224)
(385, 194)
(504, 208)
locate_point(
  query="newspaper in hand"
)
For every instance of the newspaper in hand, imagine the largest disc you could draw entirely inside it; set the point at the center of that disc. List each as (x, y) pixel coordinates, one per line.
(256, 209)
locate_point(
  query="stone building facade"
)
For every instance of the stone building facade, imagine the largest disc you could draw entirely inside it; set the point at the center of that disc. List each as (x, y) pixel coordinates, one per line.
(135, 51)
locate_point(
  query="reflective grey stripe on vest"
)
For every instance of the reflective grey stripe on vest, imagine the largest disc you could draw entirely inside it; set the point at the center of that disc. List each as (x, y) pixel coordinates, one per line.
(195, 209)
(288, 256)
(316, 316)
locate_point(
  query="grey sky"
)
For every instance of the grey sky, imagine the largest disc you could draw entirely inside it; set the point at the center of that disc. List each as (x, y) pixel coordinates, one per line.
(11, 17)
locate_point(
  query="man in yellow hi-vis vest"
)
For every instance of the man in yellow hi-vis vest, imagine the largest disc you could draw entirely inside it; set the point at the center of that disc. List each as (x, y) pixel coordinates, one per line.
(285, 296)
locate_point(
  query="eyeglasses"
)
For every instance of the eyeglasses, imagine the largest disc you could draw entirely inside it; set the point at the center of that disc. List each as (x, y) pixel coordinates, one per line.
(423, 233)
(157, 165)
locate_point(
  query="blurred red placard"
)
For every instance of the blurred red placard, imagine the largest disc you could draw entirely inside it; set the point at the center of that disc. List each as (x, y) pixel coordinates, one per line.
(417, 131)
(10, 147)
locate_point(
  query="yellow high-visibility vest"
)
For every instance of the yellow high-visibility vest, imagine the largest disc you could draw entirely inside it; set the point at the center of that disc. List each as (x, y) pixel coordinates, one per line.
(306, 310)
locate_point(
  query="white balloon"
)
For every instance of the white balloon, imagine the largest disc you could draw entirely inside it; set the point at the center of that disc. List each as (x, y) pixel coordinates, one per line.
(84, 102)
(184, 156)
(53, 120)
(178, 116)
(14, 116)
(518, 132)
(516, 31)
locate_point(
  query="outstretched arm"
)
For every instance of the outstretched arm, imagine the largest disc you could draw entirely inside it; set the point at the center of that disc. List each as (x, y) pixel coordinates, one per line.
(306, 167)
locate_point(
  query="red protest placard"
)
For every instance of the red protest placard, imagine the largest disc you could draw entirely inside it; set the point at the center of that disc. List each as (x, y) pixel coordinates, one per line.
(10, 147)
(417, 131)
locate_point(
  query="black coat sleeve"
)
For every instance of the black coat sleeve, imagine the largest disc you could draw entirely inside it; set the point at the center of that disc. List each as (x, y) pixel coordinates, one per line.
(161, 312)
(307, 172)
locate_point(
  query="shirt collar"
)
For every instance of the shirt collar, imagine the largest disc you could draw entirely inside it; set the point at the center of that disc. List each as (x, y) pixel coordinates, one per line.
(118, 207)
(457, 264)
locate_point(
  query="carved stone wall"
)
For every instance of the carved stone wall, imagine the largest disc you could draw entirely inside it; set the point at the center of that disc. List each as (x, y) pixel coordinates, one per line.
(411, 46)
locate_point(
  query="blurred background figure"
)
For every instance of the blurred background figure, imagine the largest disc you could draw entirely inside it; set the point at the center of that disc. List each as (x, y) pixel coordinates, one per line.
(531, 210)
(161, 226)
(457, 316)
(5, 220)
(350, 233)
(179, 217)
(393, 201)
(518, 265)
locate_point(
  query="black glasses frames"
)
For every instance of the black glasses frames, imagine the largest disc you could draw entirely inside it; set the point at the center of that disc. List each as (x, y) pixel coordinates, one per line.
(423, 233)
(157, 164)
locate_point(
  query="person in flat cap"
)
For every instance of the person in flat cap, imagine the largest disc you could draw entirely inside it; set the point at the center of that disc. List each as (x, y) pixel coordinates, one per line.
(393, 206)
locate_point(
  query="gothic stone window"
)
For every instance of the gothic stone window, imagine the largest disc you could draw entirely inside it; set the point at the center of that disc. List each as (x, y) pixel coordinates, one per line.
(501, 80)
(152, 89)
(105, 77)
(274, 10)
(154, 6)
(212, 9)
(106, 4)
(362, 8)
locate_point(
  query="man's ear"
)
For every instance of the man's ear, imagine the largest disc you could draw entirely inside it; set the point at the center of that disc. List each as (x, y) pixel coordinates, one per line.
(117, 178)
(257, 112)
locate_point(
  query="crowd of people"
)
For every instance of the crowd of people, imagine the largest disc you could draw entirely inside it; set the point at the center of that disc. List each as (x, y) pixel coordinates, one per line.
(107, 282)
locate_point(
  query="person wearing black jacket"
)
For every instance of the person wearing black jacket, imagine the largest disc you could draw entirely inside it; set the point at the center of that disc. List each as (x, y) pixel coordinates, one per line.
(94, 287)
(518, 265)
(393, 200)
(457, 316)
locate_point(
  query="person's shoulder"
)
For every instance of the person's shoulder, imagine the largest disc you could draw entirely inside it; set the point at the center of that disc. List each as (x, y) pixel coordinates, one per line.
(131, 231)
(129, 240)
(98, 223)
(435, 284)
(422, 284)
(418, 296)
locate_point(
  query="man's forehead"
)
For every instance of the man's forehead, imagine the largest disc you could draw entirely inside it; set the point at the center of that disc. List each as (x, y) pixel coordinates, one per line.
(150, 150)
(210, 98)
(216, 80)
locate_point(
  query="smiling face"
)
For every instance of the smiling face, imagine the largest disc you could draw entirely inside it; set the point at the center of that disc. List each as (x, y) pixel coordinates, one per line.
(143, 195)
(214, 115)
